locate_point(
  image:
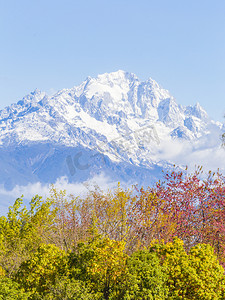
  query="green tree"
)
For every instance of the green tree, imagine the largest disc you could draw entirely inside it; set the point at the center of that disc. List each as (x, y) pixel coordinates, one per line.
(146, 277)
(38, 274)
(10, 290)
(69, 289)
(209, 282)
(196, 275)
(23, 230)
(102, 264)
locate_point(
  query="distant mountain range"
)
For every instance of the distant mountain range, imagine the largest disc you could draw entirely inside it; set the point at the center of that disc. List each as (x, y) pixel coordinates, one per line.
(113, 124)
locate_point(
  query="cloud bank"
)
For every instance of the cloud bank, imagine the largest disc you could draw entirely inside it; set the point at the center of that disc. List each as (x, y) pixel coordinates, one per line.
(7, 198)
(206, 151)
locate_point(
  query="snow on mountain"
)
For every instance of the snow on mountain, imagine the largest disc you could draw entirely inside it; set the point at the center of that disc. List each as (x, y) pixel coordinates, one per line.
(114, 115)
(107, 106)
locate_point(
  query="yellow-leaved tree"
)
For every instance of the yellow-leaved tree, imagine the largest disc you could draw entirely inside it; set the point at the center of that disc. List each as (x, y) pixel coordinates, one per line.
(193, 275)
(102, 264)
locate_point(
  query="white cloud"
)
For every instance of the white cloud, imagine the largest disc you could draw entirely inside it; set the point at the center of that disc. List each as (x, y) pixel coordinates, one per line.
(206, 151)
(7, 198)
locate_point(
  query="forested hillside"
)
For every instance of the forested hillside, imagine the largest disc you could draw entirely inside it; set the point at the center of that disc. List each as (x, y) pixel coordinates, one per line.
(164, 242)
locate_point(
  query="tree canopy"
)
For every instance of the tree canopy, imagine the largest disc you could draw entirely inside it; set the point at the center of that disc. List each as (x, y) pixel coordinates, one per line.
(163, 242)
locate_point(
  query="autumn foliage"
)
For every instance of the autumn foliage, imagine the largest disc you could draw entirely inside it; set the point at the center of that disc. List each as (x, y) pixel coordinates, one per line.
(163, 242)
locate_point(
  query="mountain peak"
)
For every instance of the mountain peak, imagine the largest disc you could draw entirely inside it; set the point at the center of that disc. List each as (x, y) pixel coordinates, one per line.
(108, 105)
(117, 76)
(197, 111)
(36, 92)
(115, 115)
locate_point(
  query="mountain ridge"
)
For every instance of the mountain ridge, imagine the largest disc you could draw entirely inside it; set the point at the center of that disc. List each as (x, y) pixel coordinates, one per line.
(106, 99)
(115, 115)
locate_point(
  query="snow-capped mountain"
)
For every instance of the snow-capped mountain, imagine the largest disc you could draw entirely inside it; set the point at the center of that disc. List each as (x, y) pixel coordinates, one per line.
(113, 123)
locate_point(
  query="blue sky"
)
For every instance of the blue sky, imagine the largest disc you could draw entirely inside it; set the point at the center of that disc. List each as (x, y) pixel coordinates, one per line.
(52, 45)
